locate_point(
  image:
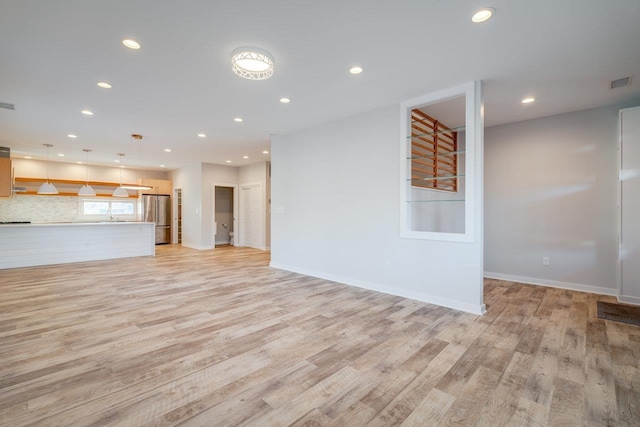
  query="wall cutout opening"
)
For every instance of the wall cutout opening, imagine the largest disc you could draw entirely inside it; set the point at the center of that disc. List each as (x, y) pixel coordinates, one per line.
(438, 158)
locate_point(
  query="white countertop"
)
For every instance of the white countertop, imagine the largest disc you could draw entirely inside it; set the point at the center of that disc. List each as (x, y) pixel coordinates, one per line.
(74, 224)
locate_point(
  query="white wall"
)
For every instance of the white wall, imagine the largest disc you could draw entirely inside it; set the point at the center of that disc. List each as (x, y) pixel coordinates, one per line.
(189, 179)
(550, 190)
(197, 182)
(336, 214)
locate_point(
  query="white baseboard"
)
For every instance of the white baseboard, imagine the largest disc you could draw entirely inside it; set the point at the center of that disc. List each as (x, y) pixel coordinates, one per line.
(198, 247)
(552, 283)
(629, 300)
(444, 302)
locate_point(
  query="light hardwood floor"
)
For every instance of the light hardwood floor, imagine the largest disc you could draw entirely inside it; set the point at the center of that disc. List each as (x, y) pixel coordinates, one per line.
(218, 338)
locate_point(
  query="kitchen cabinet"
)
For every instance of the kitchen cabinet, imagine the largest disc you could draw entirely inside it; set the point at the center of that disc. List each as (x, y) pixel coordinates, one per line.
(160, 186)
(6, 183)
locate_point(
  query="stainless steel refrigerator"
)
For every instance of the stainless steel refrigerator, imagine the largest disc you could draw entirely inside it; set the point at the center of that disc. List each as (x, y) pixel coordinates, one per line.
(157, 208)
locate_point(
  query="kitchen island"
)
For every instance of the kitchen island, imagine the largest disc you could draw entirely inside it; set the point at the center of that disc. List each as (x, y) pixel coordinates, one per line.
(28, 245)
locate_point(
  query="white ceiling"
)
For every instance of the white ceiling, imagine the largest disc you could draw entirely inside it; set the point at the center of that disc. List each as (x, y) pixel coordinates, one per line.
(180, 83)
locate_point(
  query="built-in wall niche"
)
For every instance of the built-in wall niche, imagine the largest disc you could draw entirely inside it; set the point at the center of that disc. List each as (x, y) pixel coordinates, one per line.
(441, 133)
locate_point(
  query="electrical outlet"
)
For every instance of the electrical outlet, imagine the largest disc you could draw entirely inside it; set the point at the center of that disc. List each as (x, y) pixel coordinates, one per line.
(546, 260)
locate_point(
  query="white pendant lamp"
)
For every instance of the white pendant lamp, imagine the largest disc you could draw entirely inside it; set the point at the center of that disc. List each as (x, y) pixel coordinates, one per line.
(47, 187)
(120, 191)
(87, 190)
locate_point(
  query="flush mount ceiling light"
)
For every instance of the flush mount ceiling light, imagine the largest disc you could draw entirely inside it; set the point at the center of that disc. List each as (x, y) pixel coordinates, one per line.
(131, 44)
(87, 112)
(355, 70)
(202, 135)
(87, 190)
(238, 119)
(72, 135)
(104, 85)
(47, 187)
(252, 63)
(483, 14)
(285, 100)
(528, 100)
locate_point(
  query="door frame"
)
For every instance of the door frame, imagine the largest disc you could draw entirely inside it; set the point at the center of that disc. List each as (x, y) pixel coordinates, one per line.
(235, 211)
(620, 201)
(174, 213)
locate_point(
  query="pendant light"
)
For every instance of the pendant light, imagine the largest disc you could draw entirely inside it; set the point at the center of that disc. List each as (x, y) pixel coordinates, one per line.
(47, 187)
(120, 191)
(87, 190)
(138, 186)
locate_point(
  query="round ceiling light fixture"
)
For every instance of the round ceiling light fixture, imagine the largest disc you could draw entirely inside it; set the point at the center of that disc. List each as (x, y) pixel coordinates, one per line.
(252, 63)
(131, 44)
(483, 14)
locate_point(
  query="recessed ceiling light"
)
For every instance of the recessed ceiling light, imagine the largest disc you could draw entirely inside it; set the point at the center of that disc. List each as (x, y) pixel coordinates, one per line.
(131, 44)
(483, 14)
(265, 152)
(202, 135)
(237, 119)
(355, 70)
(252, 63)
(285, 100)
(60, 155)
(28, 157)
(167, 150)
(72, 135)
(528, 100)
(162, 166)
(228, 161)
(245, 157)
(104, 85)
(87, 112)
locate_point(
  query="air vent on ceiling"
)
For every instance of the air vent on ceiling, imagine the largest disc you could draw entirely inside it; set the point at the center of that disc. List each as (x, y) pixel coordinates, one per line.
(620, 82)
(7, 106)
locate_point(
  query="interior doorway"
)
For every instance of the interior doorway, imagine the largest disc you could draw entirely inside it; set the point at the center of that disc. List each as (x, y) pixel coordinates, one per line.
(225, 214)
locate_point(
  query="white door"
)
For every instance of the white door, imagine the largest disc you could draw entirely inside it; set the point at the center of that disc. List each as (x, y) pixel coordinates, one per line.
(251, 230)
(630, 205)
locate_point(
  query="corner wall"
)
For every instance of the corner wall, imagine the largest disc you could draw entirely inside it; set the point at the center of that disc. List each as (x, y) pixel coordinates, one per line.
(550, 191)
(336, 215)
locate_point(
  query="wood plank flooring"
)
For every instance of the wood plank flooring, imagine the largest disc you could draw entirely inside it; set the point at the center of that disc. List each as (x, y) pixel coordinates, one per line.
(217, 338)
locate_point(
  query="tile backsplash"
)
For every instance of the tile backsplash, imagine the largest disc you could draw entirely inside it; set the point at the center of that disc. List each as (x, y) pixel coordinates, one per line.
(39, 208)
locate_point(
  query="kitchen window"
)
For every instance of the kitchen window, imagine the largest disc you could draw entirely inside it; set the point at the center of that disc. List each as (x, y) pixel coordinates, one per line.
(108, 209)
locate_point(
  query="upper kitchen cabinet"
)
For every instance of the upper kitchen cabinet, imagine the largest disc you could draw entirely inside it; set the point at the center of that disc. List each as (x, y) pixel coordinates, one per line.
(6, 183)
(160, 186)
